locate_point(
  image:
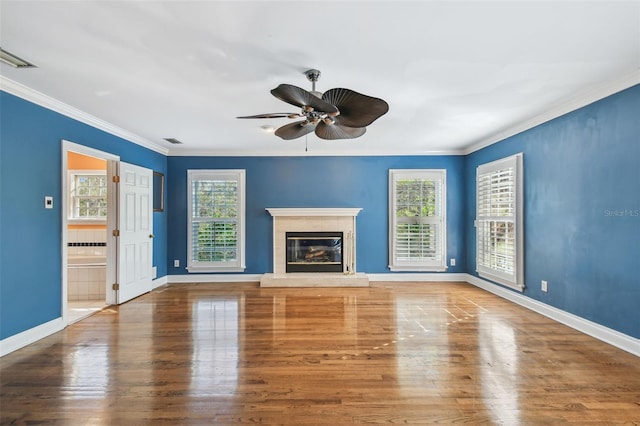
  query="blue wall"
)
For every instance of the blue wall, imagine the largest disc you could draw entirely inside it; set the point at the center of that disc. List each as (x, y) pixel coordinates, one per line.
(582, 210)
(582, 206)
(317, 182)
(30, 236)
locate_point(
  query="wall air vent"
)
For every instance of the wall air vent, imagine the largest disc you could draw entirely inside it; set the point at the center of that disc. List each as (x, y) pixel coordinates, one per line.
(13, 60)
(173, 141)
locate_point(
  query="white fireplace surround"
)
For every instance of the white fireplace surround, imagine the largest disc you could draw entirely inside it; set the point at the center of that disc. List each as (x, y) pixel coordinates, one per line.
(314, 220)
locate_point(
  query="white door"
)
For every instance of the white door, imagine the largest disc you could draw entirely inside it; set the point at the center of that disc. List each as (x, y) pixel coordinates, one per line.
(135, 223)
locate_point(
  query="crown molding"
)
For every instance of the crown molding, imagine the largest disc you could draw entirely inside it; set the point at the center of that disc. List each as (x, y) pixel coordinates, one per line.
(300, 152)
(583, 99)
(45, 101)
(577, 101)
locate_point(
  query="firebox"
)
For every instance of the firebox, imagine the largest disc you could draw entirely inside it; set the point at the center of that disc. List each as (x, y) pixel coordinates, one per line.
(314, 252)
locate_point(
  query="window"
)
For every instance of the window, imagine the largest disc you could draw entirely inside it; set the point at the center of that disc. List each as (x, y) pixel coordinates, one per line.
(216, 220)
(499, 236)
(417, 220)
(88, 192)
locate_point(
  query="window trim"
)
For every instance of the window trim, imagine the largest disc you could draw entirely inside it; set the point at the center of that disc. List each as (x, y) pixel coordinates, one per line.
(71, 177)
(238, 175)
(434, 265)
(515, 280)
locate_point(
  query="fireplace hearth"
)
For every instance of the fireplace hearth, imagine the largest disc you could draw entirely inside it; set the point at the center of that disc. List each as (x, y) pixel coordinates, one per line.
(314, 252)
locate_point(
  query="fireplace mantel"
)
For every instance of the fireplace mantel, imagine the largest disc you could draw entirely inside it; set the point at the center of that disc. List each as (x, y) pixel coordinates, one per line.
(306, 212)
(287, 219)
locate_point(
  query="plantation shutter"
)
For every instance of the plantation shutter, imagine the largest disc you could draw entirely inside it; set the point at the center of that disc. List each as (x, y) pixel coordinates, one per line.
(499, 221)
(417, 220)
(216, 216)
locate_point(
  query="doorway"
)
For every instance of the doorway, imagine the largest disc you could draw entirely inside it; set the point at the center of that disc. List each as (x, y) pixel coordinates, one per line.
(88, 217)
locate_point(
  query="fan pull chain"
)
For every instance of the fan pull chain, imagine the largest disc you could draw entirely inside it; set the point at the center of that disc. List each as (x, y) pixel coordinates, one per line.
(306, 144)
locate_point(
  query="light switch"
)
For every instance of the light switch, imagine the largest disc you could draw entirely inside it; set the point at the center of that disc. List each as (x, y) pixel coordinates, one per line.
(48, 202)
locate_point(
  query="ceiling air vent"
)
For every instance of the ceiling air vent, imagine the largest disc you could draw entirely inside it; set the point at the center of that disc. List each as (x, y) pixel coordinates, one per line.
(13, 60)
(173, 141)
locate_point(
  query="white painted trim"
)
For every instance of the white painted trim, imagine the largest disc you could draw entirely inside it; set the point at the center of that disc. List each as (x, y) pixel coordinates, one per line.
(605, 334)
(159, 282)
(573, 103)
(350, 212)
(214, 278)
(421, 277)
(514, 162)
(296, 151)
(424, 265)
(240, 177)
(48, 102)
(20, 340)
(111, 220)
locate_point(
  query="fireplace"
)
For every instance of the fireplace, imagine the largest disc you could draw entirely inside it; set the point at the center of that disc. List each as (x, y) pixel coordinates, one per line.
(314, 252)
(319, 244)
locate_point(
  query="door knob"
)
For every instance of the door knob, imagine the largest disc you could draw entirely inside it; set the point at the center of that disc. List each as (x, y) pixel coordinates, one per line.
(151, 235)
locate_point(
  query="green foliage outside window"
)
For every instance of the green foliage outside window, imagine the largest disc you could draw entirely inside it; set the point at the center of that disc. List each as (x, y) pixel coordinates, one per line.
(415, 198)
(89, 195)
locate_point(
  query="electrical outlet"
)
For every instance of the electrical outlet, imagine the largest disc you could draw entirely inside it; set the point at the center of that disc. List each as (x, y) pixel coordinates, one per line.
(453, 262)
(176, 263)
(543, 285)
(48, 202)
(154, 272)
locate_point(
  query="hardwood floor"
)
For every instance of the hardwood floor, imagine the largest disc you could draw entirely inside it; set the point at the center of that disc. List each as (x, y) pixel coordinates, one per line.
(391, 353)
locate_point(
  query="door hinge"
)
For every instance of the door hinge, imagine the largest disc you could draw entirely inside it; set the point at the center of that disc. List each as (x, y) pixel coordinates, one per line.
(116, 179)
(116, 233)
(115, 286)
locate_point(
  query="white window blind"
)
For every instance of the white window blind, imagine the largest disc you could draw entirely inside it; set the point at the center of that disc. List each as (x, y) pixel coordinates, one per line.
(216, 220)
(88, 192)
(499, 240)
(417, 220)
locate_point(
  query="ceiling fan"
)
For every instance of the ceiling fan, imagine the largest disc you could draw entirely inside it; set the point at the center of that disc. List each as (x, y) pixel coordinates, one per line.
(334, 114)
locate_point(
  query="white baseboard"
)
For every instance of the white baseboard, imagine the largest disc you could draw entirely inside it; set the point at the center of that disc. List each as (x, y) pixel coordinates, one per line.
(214, 278)
(427, 276)
(20, 340)
(607, 335)
(159, 282)
(234, 278)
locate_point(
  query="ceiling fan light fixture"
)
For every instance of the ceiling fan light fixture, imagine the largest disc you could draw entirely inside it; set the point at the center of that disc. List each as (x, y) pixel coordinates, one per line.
(13, 60)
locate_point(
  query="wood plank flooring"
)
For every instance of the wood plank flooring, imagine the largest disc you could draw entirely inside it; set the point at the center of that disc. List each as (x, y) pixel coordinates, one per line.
(391, 353)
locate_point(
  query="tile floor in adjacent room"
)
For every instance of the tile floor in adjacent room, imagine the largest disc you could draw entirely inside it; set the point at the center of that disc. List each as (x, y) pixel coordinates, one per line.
(80, 309)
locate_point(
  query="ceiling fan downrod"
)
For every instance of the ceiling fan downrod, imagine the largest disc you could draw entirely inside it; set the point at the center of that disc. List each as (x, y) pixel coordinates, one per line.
(313, 75)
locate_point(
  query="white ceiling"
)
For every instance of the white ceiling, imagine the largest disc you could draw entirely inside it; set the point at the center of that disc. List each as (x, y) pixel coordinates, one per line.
(456, 75)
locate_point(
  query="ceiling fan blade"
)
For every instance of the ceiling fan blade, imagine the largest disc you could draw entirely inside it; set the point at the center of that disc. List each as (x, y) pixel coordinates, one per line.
(356, 109)
(336, 131)
(299, 97)
(273, 115)
(294, 130)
